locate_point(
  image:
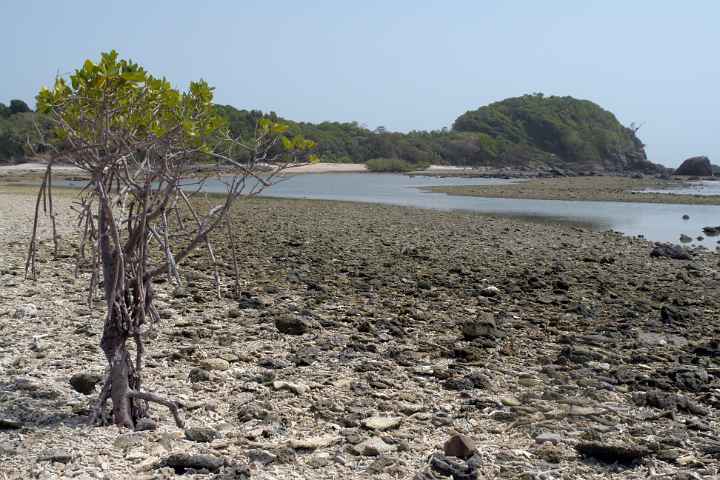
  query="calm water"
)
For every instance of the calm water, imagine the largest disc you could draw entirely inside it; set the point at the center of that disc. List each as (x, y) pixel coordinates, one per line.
(657, 222)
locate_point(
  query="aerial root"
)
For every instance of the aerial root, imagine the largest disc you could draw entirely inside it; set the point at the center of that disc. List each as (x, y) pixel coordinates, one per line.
(150, 397)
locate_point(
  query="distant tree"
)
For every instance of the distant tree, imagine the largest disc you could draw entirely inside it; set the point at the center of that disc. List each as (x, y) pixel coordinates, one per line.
(18, 106)
(139, 140)
(4, 110)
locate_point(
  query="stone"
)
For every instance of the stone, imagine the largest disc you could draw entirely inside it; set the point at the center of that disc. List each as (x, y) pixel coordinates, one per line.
(215, 364)
(482, 326)
(199, 375)
(313, 443)
(695, 167)
(201, 434)
(553, 438)
(128, 440)
(145, 424)
(184, 461)
(296, 388)
(685, 238)
(85, 382)
(372, 447)
(668, 250)
(292, 324)
(9, 424)
(510, 401)
(27, 310)
(607, 453)
(712, 231)
(381, 424)
(263, 457)
(459, 446)
(57, 455)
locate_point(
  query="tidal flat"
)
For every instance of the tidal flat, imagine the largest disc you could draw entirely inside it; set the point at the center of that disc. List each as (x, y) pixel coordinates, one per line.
(588, 188)
(364, 337)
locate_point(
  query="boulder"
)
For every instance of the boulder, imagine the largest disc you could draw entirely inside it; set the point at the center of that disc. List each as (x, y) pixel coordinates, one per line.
(85, 382)
(695, 167)
(459, 446)
(292, 324)
(668, 250)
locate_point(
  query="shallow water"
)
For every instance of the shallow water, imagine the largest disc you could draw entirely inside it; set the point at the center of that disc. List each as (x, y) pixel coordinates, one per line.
(657, 222)
(703, 187)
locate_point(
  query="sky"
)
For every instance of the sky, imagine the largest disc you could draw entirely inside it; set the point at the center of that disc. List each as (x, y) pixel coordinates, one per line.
(402, 64)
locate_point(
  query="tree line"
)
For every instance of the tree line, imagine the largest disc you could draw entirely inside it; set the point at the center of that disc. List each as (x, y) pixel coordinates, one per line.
(527, 131)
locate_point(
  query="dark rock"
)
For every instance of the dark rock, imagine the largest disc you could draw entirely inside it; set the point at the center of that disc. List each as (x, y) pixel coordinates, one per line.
(712, 231)
(668, 250)
(668, 401)
(199, 375)
(672, 314)
(85, 382)
(686, 217)
(622, 454)
(459, 446)
(685, 238)
(693, 379)
(8, 424)
(695, 167)
(201, 434)
(145, 424)
(184, 461)
(292, 324)
(450, 468)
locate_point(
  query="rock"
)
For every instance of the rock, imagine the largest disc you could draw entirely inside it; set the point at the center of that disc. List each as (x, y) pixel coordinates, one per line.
(606, 453)
(58, 455)
(320, 460)
(380, 424)
(201, 434)
(196, 461)
(672, 314)
(26, 310)
(450, 468)
(668, 250)
(313, 443)
(128, 440)
(85, 382)
(685, 238)
(695, 167)
(292, 324)
(459, 446)
(712, 231)
(491, 291)
(668, 401)
(372, 447)
(296, 388)
(553, 438)
(145, 424)
(686, 217)
(215, 364)
(199, 375)
(510, 401)
(482, 326)
(9, 424)
(263, 457)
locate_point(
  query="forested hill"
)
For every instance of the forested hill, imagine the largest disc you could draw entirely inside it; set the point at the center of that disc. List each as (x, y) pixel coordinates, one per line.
(532, 131)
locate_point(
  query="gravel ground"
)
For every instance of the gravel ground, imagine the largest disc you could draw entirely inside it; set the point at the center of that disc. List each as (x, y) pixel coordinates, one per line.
(366, 337)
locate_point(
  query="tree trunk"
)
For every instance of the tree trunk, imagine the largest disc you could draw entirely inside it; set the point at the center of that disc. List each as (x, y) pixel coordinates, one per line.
(123, 377)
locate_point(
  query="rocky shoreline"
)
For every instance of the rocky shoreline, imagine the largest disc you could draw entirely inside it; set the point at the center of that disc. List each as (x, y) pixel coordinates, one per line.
(374, 341)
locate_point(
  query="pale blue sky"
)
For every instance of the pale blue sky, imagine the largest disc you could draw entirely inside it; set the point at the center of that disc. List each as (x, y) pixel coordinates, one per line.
(402, 64)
